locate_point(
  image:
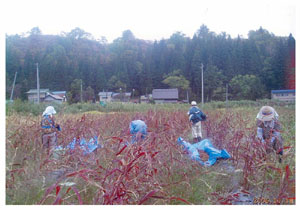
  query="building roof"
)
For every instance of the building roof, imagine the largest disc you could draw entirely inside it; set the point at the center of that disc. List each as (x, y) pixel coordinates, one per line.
(165, 93)
(56, 97)
(35, 91)
(120, 95)
(283, 91)
(105, 93)
(58, 92)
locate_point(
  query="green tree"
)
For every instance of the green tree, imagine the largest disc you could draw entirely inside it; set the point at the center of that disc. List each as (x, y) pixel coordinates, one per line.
(131, 63)
(115, 84)
(73, 95)
(78, 33)
(35, 31)
(88, 94)
(213, 82)
(246, 87)
(176, 80)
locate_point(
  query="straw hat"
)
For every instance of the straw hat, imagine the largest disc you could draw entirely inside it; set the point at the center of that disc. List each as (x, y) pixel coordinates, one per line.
(266, 113)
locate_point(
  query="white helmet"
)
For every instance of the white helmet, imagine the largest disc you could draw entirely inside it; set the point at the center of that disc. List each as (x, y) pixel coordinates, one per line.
(194, 103)
(49, 111)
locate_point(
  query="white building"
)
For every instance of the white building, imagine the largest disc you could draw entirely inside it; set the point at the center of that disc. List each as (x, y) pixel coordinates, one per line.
(105, 96)
(284, 95)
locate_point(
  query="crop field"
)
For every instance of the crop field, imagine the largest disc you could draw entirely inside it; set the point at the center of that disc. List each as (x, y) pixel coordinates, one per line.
(152, 171)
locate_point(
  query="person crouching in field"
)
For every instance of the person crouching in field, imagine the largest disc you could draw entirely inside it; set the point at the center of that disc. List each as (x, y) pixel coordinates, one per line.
(195, 118)
(268, 130)
(49, 136)
(138, 130)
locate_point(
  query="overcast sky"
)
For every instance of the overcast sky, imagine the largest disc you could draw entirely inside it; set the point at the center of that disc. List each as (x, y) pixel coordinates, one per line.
(149, 19)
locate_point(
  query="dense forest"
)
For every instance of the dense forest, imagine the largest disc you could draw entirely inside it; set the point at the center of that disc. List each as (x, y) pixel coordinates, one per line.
(250, 67)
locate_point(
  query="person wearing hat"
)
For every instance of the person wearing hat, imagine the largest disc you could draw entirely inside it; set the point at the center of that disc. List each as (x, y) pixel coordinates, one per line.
(195, 117)
(268, 129)
(49, 136)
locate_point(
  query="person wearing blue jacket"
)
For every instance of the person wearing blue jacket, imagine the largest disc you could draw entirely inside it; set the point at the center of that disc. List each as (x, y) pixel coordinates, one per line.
(195, 118)
(138, 129)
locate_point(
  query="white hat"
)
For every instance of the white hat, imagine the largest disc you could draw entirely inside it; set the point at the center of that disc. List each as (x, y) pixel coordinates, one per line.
(194, 103)
(49, 111)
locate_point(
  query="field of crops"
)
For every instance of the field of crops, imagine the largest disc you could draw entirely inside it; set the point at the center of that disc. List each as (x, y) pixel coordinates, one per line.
(153, 171)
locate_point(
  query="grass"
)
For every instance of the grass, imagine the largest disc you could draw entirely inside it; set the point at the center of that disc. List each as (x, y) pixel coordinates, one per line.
(155, 171)
(27, 108)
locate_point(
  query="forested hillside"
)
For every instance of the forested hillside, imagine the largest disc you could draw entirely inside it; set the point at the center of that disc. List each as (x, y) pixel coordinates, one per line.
(251, 66)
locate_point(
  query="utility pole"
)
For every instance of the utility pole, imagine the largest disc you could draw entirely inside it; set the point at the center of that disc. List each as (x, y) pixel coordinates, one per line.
(81, 90)
(133, 93)
(12, 91)
(202, 85)
(187, 96)
(38, 83)
(226, 95)
(106, 97)
(133, 99)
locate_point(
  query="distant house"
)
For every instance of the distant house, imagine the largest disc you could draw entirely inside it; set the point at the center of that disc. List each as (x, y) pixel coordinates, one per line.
(121, 97)
(105, 96)
(145, 98)
(46, 96)
(284, 95)
(53, 98)
(165, 95)
(32, 95)
(62, 94)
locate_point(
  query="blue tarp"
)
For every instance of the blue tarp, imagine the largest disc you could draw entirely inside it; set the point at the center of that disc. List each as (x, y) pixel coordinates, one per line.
(137, 126)
(206, 146)
(86, 146)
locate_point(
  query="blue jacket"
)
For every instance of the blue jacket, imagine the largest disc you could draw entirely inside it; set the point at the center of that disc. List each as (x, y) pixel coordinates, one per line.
(196, 115)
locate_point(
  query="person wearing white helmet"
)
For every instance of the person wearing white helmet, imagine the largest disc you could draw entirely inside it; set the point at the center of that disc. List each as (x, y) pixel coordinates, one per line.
(49, 136)
(195, 117)
(268, 129)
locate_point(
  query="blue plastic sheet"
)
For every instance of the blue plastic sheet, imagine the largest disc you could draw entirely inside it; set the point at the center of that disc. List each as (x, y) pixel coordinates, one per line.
(206, 146)
(137, 126)
(86, 146)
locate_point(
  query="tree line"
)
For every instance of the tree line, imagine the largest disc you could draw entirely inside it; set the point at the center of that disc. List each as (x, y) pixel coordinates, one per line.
(250, 67)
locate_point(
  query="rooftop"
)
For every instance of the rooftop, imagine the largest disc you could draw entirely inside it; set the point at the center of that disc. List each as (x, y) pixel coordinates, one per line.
(165, 93)
(283, 91)
(105, 93)
(57, 97)
(35, 91)
(59, 92)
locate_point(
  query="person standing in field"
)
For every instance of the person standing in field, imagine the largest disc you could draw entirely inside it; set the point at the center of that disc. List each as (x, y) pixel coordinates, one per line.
(49, 136)
(195, 118)
(268, 130)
